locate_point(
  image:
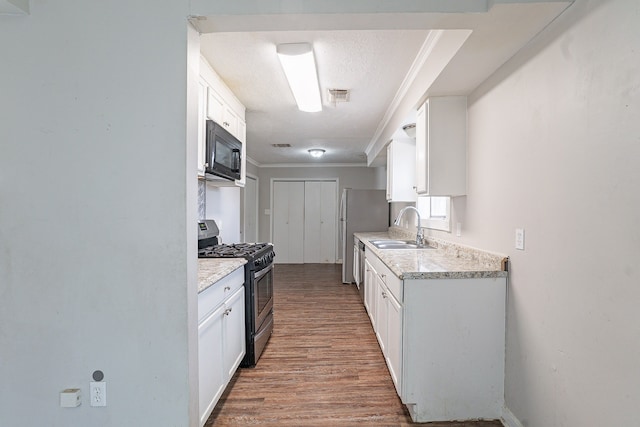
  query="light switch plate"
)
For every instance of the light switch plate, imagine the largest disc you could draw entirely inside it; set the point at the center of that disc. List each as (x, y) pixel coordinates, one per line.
(520, 239)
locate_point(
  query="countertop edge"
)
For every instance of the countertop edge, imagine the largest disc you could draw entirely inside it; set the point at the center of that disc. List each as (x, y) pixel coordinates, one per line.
(211, 270)
(443, 250)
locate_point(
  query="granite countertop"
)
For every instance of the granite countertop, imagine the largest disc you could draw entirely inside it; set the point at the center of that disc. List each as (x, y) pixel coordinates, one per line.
(210, 270)
(445, 261)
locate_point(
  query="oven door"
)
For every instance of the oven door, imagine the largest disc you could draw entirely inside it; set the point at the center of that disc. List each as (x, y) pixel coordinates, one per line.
(263, 301)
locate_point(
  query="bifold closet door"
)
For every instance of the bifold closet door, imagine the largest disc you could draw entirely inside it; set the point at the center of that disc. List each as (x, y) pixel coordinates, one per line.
(288, 221)
(320, 221)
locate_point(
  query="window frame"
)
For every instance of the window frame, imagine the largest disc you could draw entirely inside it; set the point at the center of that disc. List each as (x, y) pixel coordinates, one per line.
(430, 222)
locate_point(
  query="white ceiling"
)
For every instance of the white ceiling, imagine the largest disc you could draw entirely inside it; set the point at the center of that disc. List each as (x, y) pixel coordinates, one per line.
(389, 62)
(368, 63)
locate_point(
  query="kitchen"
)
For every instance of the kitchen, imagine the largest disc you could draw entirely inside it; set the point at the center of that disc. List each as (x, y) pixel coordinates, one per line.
(552, 143)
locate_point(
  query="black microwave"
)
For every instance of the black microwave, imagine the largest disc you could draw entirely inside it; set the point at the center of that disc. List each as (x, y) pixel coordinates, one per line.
(223, 152)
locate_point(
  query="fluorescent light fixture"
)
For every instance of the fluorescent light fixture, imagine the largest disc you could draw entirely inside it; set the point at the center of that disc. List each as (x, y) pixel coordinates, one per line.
(299, 66)
(316, 152)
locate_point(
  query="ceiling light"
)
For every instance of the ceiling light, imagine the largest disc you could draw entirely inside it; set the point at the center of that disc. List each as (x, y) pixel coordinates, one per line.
(299, 66)
(316, 152)
(410, 130)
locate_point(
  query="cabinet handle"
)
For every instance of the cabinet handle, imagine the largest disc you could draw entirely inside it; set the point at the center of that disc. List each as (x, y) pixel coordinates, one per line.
(226, 288)
(226, 124)
(384, 294)
(227, 311)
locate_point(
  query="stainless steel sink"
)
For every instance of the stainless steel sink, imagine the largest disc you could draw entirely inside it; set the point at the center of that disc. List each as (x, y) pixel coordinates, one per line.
(397, 244)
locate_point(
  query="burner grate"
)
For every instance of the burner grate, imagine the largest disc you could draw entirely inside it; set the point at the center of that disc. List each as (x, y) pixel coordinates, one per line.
(233, 250)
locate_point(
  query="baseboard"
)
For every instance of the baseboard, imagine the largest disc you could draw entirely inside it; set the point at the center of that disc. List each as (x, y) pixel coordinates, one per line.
(510, 420)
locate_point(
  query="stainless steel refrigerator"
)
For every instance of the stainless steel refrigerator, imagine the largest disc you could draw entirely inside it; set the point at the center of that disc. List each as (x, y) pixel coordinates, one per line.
(360, 210)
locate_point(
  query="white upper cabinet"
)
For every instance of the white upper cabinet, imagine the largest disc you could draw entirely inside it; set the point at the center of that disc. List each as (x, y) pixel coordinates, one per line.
(441, 147)
(215, 105)
(216, 102)
(401, 172)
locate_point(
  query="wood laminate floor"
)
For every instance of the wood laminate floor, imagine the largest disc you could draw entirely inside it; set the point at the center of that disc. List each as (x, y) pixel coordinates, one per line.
(322, 365)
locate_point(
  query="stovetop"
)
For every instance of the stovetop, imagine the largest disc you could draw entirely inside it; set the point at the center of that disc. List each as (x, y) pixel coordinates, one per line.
(235, 250)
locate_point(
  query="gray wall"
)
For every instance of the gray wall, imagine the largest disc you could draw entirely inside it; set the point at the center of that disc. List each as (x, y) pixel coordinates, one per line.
(553, 148)
(93, 165)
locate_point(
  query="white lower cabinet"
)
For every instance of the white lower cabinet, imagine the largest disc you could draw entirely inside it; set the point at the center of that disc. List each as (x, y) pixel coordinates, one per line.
(443, 341)
(388, 319)
(211, 374)
(370, 290)
(221, 338)
(234, 344)
(381, 315)
(393, 354)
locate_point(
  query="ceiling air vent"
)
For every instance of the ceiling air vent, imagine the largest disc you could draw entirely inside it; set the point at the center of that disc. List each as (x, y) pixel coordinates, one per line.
(338, 95)
(281, 145)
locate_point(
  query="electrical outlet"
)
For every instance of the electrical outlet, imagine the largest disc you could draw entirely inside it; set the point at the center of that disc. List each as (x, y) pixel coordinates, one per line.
(98, 393)
(520, 238)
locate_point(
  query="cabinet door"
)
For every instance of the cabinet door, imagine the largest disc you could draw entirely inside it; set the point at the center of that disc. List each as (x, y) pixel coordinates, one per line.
(389, 172)
(393, 355)
(441, 147)
(422, 122)
(382, 314)
(215, 106)
(401, 174)
(370, 291)
(234, 344)
(230, 121)
(210, 362)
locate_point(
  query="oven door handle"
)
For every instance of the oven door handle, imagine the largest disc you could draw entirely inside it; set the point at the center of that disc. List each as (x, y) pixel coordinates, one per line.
(264, 271)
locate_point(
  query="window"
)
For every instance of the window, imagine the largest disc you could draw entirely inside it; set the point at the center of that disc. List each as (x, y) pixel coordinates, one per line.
(435, 212)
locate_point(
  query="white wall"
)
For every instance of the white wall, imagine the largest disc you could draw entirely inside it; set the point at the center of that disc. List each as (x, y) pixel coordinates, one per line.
(96, 268)
(554, 146)
(223, 205)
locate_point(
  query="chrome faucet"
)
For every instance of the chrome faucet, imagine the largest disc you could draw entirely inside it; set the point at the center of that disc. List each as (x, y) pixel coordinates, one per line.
(419, 235)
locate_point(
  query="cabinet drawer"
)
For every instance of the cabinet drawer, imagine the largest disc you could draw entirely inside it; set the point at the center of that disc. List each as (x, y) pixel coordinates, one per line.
(388, 277)
(394, 284)
(215, 294)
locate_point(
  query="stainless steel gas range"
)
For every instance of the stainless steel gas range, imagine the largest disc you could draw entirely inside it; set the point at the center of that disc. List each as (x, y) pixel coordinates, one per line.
(258, 282)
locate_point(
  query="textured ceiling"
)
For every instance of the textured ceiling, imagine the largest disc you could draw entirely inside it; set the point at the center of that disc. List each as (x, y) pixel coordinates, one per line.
(371, 64)
(389, 61)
